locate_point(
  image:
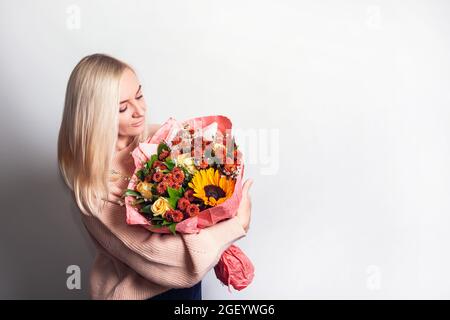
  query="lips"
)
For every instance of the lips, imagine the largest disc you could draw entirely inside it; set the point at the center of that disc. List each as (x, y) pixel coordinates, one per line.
(137, 124)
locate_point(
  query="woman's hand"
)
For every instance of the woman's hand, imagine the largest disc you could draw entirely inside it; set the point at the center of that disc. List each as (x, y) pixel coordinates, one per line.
(245, 207)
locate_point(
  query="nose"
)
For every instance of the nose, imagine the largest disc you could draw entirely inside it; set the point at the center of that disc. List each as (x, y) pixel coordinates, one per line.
(139, 110)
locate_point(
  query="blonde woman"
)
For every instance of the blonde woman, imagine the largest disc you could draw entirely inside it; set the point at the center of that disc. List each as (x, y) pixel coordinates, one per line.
(104, 118)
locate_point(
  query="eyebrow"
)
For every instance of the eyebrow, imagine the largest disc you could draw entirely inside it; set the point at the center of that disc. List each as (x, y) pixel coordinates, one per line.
(135, 94)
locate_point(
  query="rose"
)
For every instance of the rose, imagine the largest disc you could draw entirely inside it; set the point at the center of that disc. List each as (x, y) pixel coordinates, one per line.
(145, 189)
(186, 161)
(160, 206)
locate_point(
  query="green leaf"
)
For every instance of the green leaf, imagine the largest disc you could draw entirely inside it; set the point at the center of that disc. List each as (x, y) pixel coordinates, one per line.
(132, 193)
(186, 171)
(170, 164)
(166, 223)
(172, 228)
(138, 202)
(173, 202)
(174, 192)
(150, 162)
(147, 209)
(140, 174)
(174, 195)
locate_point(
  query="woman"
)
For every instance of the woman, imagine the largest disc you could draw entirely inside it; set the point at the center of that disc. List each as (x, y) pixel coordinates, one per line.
(104, 119)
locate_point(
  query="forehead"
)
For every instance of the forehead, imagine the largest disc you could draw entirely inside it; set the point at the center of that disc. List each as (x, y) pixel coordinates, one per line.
(129, 84)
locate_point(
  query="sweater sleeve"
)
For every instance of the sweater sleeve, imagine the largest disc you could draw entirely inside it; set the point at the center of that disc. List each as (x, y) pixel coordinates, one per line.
(175, 261)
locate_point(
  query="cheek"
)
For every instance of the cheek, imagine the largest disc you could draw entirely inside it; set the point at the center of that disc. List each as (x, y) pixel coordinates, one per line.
(124, 121)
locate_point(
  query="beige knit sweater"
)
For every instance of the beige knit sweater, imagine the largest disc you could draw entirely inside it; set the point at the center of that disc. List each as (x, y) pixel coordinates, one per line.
(134, 263)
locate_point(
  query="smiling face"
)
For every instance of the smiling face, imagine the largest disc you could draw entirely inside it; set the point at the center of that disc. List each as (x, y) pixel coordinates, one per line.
(132, 109)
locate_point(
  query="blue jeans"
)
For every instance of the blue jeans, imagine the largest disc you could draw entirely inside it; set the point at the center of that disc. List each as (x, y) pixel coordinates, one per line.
(192, 293)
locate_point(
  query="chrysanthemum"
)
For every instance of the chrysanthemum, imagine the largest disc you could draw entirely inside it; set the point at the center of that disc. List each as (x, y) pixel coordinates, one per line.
(174, 215)
(178, 175)
(183, 203)
(159, 164)
(189, 194)
(192, 210)
(210, 186)
(163, 155)
(161, 187)
(157, 176)
(173, 184)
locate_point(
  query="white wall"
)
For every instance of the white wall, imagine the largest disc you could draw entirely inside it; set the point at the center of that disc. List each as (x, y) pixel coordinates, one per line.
(348, 102)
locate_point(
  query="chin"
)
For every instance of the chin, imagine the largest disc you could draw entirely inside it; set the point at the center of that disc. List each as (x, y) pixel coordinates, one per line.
(138, 130)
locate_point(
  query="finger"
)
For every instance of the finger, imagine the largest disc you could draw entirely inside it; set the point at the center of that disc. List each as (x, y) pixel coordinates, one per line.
(245, 190)
(247, 184)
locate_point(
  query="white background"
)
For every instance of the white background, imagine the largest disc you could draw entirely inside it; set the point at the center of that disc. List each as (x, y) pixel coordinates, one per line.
(349, 102)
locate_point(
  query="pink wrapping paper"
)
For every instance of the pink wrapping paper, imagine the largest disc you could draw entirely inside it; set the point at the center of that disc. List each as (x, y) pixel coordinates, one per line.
(234, 268)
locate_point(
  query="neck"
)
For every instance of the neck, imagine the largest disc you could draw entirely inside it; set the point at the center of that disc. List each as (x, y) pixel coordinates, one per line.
(123, 142)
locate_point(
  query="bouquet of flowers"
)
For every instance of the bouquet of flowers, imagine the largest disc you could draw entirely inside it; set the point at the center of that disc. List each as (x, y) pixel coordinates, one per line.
(188, 176)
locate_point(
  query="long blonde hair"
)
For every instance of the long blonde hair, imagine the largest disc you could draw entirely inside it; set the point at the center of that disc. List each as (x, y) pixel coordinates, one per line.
(89, 129)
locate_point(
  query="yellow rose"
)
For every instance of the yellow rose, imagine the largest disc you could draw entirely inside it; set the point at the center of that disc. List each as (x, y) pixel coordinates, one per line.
(145, 189)
(160, 206)
(186, 161)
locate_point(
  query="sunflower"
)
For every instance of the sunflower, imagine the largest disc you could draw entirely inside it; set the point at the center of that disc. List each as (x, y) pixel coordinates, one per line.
(210, 186)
